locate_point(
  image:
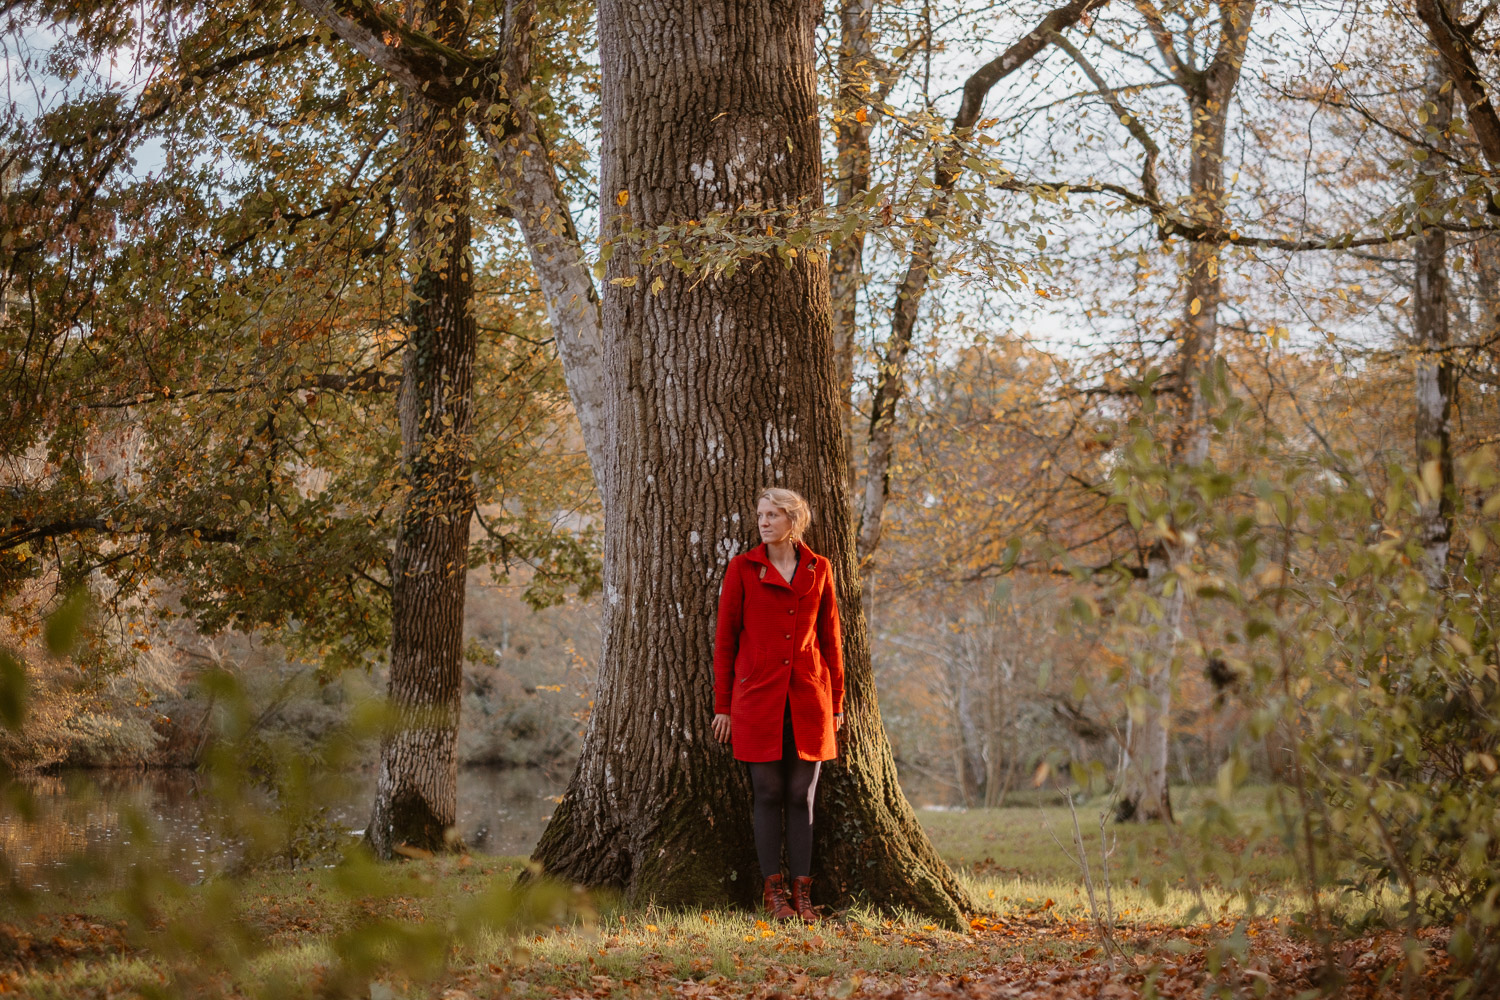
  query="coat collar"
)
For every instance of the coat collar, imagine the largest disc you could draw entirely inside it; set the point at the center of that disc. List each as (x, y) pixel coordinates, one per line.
(802, 580)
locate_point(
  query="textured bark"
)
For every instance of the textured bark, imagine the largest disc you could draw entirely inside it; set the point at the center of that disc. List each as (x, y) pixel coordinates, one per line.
(416, 784)
(890, 382)
(846, 274)
(1435, 382)
(1143, 793)
(718, 386)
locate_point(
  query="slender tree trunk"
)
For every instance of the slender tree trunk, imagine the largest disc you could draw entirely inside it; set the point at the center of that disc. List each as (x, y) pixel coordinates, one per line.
(1434, 376)
(719, 386)
(1143, 793)
(532, 190)
(890, 379)
(416, 785)
(852, 143)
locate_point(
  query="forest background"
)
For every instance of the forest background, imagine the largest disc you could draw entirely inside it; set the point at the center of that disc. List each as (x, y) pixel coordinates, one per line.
(1164, 341)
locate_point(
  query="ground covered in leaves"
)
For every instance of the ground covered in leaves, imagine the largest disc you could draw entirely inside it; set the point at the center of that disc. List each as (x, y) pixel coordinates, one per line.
(292, 934)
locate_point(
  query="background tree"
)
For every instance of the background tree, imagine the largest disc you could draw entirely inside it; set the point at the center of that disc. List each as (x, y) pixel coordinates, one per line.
(249, 286)
(416, 787)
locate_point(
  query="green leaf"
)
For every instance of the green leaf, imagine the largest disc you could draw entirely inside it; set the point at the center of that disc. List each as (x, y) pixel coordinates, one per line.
(64, 624)
(12, 690)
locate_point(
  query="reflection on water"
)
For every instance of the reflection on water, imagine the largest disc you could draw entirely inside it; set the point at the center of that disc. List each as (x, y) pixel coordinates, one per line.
(90, 826)
(92, 822)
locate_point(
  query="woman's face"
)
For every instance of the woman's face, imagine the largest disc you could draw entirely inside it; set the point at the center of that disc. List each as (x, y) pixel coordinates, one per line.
(774, 523)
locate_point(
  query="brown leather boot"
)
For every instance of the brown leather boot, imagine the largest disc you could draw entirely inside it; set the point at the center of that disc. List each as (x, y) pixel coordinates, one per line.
(775, 896)
(802, 899)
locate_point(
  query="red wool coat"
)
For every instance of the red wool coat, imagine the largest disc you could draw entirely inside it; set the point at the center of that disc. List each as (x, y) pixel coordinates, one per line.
(776, 642)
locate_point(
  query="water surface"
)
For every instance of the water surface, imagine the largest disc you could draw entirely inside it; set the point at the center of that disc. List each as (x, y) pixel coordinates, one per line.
(89, 825)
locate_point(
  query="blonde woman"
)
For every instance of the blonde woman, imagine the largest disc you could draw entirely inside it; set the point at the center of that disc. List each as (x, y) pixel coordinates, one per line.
(779, 688)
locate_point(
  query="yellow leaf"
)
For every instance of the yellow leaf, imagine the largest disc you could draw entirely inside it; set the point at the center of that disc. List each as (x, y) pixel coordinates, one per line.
(622, 198)
(1194, 306)
(657, 285)
(861, 115)
(1432, 478)
(623, 282)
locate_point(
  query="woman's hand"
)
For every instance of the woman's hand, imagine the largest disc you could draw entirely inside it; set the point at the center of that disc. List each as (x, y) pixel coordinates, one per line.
(721, 728)
(838, 721)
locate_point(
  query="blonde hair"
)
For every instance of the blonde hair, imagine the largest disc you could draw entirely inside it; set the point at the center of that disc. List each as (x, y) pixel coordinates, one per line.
(792, 504)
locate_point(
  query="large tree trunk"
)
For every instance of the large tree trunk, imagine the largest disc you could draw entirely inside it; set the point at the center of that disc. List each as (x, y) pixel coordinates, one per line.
(720, 387)
(1434, 375)
(416, 785)
(1143, 793)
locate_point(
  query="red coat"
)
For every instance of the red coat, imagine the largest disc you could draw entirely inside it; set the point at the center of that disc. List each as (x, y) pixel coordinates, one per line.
(773, 643)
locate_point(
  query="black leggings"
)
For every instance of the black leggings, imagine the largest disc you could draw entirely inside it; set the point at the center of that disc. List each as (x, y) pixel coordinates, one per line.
(784, 786)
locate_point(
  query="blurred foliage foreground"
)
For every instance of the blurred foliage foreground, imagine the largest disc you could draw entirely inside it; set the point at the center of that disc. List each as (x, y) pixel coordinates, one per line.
(1368, 868)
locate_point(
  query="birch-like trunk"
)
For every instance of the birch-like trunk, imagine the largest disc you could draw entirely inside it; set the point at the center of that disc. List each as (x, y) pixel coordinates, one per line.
(534, 193)
(1435, 383)
(416, 784)
(1142, 794)
(445, 76)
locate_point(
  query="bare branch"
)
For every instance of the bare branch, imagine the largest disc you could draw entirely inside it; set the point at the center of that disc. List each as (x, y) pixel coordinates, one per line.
(1181, 72)
(365, 381)
(1130, 121)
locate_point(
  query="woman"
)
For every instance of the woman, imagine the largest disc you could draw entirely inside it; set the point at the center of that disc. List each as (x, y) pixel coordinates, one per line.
(779, 688)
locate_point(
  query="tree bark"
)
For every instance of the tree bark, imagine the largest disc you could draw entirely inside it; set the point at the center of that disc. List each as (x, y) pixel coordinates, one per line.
(719, 386)
(852, 143)
(1143, 793)
(1435, 382)
(416, 784)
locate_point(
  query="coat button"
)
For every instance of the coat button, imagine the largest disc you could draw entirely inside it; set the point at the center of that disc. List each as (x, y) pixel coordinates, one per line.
(788, 635)
(786, 661)
(791, 611)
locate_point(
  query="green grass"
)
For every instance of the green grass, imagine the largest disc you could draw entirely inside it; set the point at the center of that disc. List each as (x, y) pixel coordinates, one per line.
(1014, 860)
(1223, 849)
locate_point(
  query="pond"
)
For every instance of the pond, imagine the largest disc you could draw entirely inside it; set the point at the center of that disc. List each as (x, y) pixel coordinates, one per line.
(93, 824)
(85, 821)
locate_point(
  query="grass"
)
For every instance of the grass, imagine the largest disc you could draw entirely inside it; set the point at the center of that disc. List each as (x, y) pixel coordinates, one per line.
(285, 933)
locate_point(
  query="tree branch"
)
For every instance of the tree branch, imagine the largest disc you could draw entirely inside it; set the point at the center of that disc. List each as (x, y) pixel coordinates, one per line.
(418, 62)
(1130, 121)
(1181, 72)
(890, 384)
(371, 380)
(1456, 46)
(104, 525)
